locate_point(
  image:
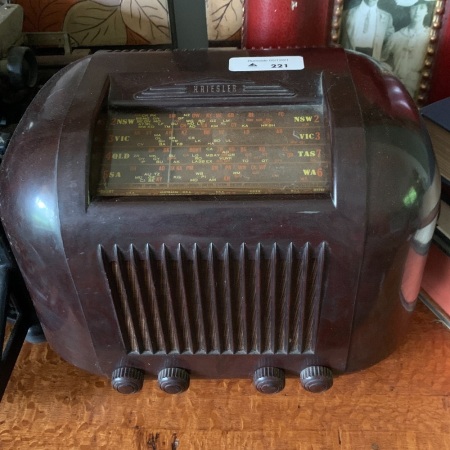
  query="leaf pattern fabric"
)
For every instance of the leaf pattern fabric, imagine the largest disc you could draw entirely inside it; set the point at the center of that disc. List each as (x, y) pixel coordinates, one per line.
(124, 22)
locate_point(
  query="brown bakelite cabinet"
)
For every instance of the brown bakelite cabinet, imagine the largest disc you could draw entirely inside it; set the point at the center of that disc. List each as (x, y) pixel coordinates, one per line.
(221, 214)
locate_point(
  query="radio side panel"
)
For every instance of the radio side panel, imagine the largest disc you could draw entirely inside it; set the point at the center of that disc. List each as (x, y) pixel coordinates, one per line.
(30, 215)
(403, 198)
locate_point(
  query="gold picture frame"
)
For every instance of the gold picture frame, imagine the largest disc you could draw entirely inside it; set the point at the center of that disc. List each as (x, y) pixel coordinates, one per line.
(432, 22)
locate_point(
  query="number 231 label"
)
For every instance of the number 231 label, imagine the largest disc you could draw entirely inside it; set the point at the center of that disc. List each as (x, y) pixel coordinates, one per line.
(265, 63)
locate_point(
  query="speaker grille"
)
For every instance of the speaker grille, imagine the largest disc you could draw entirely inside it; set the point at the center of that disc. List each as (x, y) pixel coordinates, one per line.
(263, 299)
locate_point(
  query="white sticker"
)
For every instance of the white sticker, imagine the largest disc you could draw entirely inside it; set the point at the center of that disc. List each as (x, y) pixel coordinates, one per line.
(264, 63)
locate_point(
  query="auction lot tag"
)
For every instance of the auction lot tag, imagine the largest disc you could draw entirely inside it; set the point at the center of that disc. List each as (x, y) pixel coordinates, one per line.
(265, 63)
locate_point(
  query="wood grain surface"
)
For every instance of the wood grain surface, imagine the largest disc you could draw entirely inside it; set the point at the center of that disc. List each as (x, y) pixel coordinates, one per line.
(401, 403)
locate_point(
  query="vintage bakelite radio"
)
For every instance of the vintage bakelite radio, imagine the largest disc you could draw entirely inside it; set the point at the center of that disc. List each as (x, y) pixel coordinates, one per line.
(221, 214)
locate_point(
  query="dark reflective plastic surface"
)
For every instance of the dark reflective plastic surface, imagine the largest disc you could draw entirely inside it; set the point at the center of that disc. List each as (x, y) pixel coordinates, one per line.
(151, 244)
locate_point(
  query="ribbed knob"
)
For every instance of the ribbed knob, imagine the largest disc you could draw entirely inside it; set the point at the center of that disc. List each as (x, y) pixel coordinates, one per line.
(316, 378)
(127, 380)
(269, 380)
(173, 380)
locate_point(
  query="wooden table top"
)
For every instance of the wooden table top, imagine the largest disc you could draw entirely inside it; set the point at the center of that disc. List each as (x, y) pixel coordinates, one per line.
(401, 403)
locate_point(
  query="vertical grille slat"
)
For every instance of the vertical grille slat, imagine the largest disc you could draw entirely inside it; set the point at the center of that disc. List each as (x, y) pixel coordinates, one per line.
(298, 311)
(212, 312)
(314, 303)
(241, 310)
(152, 299)
(269, 303)
(202, 300)
(120, 272)
(256, 313)
(198, 300)
(285, 297)
(144, 341)
(174, 343)
(226, 299)
(183, 310)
